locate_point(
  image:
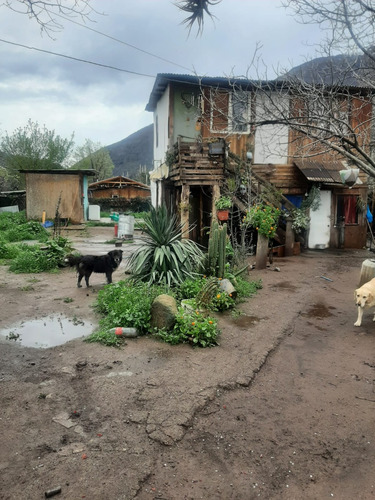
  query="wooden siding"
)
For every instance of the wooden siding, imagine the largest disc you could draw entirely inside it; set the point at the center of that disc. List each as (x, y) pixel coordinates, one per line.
(196, 167)
(43, 192)
(127, 193)
(286, 178)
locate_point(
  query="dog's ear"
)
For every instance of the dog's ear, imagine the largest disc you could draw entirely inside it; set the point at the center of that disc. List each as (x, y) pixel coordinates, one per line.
(370, 298)
(355, 294)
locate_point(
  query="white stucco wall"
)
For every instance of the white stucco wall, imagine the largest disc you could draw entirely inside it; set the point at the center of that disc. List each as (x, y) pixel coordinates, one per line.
(160, 144)
(161, 117)
(271, 141)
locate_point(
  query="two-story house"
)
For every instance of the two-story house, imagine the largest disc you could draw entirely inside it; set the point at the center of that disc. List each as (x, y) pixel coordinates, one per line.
(205, 133)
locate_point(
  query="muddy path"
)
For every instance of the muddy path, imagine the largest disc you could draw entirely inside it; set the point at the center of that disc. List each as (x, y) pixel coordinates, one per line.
(282, 408)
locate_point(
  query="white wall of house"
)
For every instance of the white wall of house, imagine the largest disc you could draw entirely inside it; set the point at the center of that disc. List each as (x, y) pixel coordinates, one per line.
(161, 128)
(161, 142)
(271, 141)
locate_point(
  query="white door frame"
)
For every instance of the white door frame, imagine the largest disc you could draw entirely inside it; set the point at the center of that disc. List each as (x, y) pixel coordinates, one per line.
(320, 222)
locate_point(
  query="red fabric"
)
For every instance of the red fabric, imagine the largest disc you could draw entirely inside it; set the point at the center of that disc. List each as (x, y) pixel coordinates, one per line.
(350, 209)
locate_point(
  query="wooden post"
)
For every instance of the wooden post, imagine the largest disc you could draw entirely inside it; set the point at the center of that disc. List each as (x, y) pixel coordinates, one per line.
(289, 237)
(215, 197)
(262, 252)
(185, 193)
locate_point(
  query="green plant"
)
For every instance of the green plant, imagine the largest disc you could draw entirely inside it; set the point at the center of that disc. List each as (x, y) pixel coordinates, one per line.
(300, 221)
(222, 301)
(31, 259)
(127, 304)
(223, 203)
(215, 260)
(165, 257)
(192, 328)
(264, 218)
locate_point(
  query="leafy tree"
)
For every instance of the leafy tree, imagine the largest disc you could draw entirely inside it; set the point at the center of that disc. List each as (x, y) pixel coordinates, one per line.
(32, 147)
(93, 155)
(47, 13)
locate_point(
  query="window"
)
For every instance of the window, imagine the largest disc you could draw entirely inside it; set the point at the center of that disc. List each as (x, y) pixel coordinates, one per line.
(240, 111)
(347, 209)
(230, 111)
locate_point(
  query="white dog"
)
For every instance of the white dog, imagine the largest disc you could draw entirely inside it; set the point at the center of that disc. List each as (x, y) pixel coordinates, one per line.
(364, 297)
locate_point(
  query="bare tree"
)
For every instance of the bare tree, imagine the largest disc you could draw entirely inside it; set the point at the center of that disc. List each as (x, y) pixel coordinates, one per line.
(47, 13)
(349, 24)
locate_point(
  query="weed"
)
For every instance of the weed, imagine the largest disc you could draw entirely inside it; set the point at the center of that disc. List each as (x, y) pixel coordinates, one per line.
(127, 304)
(67, 300)
(106, 338)
(27, 288)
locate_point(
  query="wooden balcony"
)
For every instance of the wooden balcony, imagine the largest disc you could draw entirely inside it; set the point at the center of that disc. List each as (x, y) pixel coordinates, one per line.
(196, 166)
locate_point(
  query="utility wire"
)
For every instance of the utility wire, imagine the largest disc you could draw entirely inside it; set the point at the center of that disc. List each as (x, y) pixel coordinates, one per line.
(120, 41)
(77, 59)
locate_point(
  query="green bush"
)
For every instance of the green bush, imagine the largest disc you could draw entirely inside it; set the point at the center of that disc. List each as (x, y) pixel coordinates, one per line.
(193, 328)
(33, 259)
(9, 250)
(127, 304)
(27, 231)
(10, 219)
(222, 302)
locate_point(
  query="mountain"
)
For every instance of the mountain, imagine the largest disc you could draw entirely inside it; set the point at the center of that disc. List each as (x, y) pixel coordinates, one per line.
(132, 152)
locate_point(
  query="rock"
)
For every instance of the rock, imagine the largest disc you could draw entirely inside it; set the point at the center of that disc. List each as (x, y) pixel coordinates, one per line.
(163, 312)
(226, 286)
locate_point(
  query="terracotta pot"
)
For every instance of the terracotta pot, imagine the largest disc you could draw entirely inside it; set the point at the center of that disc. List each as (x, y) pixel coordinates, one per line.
(222, 214)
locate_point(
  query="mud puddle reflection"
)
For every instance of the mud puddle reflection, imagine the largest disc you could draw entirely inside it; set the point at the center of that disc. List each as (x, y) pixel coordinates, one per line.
(46, 332)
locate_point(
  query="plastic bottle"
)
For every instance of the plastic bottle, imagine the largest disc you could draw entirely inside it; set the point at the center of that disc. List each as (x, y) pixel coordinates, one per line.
(124, 332)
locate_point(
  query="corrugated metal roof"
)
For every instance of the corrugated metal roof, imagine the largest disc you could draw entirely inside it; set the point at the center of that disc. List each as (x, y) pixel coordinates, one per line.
(162, 80)
(315, 171)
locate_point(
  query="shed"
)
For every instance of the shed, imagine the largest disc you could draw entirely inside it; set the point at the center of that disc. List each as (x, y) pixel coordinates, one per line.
(118, 187)
(44, 188)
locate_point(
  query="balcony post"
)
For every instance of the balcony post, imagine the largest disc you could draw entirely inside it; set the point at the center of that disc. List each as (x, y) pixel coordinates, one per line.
(184, 212)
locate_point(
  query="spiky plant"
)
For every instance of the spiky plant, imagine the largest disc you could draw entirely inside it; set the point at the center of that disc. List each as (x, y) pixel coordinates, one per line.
(165, 257)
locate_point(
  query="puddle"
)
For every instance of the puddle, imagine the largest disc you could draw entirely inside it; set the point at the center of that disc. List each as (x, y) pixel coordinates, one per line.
(46, 332)
(318, 310)
(245, 321)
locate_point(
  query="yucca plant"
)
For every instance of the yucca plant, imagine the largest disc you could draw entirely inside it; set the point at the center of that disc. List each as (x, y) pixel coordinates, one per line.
(165, 257)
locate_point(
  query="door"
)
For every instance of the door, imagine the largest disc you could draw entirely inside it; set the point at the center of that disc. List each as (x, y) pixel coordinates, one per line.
(320, 223)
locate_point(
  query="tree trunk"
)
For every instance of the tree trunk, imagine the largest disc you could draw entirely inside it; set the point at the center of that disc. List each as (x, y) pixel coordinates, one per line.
(262, 252)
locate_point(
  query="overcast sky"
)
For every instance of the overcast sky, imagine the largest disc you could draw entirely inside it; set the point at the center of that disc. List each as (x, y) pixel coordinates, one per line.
(106, 105)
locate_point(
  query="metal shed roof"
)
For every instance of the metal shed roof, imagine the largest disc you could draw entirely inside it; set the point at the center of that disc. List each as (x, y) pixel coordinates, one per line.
(315, 171)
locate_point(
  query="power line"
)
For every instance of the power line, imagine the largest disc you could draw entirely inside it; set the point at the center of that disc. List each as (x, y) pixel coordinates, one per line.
(120, 41)
(76, 59)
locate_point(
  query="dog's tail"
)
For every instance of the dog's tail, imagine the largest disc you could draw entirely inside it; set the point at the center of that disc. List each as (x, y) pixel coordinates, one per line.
(72, 260)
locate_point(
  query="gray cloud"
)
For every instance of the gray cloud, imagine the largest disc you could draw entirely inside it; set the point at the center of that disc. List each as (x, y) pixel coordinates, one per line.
(107, 105)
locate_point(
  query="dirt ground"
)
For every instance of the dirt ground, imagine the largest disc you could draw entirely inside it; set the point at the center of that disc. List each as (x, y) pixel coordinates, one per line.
(283, 408)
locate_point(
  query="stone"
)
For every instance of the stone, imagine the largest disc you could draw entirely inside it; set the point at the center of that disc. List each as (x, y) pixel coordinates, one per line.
(163, 312)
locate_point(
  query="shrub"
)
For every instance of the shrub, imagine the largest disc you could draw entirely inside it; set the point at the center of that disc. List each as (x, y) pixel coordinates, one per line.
(264, 218)
(28, 231)
(127, 304)
(31, 259)
(222, 302)
(164, 257)
(193, 328)
(10, 219)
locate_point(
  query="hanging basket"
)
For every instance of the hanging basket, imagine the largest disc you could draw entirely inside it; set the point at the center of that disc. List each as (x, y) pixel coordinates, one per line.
(222, 215)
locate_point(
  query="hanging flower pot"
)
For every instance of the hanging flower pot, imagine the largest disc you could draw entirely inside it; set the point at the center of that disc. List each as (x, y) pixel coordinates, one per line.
(222, 215)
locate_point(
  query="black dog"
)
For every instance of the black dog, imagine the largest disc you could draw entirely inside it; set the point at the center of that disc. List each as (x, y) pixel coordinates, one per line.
(87, 264)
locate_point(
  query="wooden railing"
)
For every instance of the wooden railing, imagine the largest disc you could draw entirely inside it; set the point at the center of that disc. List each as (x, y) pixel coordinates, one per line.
(196, 166)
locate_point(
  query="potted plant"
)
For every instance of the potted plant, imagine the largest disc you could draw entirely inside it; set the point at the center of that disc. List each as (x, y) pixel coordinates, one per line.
(223, 205)
(264, 218)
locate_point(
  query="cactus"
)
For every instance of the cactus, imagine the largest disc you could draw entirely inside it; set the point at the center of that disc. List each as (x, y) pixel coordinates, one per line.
(217, 249)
